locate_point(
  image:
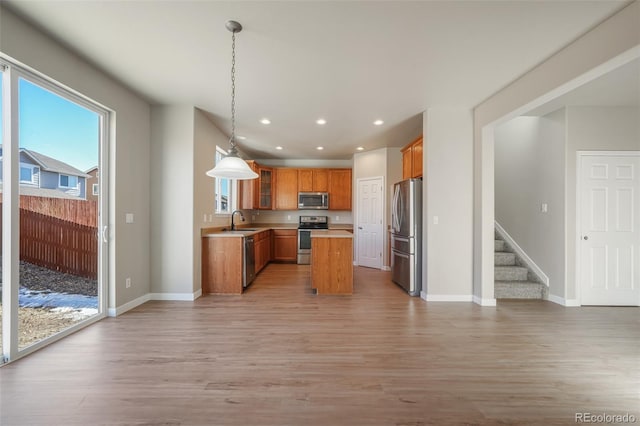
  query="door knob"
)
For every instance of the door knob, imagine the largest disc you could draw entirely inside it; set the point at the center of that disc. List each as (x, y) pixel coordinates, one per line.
(359, 227)
(585, 237)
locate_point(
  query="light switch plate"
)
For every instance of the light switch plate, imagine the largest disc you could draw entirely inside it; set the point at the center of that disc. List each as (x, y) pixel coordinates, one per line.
(128, 218)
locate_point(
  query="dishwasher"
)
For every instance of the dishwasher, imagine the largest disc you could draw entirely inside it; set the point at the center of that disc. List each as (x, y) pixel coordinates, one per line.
(249, 262)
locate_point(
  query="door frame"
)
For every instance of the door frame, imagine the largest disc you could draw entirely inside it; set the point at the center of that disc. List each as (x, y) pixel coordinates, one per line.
(13, 71)
(578, 252)
(383, 205)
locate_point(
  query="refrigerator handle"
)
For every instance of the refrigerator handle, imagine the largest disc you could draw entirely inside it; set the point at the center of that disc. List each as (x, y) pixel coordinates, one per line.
(395, 208)
(400, 208)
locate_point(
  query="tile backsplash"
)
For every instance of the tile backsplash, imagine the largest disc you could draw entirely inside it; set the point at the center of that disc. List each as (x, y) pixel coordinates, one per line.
(292, 216)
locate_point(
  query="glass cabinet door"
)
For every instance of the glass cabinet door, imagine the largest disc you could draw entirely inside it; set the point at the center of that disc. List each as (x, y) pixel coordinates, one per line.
(266, 188)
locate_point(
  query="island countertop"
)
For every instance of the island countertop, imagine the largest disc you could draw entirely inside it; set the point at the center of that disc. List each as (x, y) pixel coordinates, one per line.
(331, 233)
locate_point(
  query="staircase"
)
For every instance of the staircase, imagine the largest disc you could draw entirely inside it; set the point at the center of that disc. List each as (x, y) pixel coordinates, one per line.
(513, 280)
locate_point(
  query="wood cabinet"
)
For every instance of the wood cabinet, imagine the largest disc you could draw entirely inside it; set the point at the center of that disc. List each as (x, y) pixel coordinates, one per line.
(247, 189)
(313, 180)
(277, 188)
(340, 189)
(286, 189)
(332, 264)
(285, 245)
(265, 189)
(262, 249)
(222, 265)
(257, 193)
(412, 159)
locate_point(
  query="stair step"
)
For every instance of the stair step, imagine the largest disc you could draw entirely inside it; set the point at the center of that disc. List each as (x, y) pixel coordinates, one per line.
(510, 273)
(499, 245)
(504, 259)
(518, 290)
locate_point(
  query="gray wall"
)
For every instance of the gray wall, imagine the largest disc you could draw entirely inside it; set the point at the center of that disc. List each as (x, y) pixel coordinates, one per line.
(597, 129)
(448, 194)
(384, 162)
(529, 171)
(172, 199)
(129, 148)
(609, 44)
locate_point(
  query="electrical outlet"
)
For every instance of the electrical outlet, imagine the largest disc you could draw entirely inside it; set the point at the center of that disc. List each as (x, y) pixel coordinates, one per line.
(436, 220)
(337, 217)
(128, 218)
(127, 283)
(210, 217)
(288, 217)
(544, 207)
(204, 219)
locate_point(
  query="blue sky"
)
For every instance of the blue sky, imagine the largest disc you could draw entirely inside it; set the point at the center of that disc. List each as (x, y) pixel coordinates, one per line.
(57, 127)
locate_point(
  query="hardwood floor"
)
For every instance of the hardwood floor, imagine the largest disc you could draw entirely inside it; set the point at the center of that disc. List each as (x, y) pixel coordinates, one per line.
(279, 355)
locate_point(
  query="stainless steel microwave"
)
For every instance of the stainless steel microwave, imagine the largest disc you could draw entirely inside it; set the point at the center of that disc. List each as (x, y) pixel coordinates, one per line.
(313, 200)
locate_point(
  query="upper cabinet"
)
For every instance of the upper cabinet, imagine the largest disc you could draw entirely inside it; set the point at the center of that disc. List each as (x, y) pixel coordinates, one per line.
(257, 193)
(313, 180)
(339, 189)
(277, 188)
(286, 189)
(412, 159)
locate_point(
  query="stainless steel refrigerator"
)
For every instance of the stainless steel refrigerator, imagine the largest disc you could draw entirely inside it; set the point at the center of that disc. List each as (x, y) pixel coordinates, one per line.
(406, 235)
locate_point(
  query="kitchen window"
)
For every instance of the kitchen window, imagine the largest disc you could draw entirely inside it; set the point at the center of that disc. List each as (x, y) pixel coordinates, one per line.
(225, 189)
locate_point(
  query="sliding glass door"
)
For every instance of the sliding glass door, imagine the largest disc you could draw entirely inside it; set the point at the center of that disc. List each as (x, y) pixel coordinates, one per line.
(54, 175)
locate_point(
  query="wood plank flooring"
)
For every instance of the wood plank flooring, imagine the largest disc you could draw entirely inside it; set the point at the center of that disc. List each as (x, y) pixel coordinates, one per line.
(279, 355)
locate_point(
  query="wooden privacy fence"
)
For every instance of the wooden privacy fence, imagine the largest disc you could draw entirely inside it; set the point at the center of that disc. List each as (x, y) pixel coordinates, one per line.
(82, 212)
(58, 244)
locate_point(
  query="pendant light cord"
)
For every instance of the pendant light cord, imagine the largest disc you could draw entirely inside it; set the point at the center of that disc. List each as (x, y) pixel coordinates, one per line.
(232, 141)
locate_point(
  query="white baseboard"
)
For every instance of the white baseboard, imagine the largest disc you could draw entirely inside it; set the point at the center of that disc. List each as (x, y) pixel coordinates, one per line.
(446, 297)
(530, 263)
(386, 268)
(570, 303)
(187, 297)
(114, 312)
(484, 302)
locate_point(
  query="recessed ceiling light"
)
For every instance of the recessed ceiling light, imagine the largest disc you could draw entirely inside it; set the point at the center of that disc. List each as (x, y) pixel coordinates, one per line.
(321, 121)
(278, 148)
(320, 148)
(265, 121)
(378, 122)
(241, 137)
(360, 148)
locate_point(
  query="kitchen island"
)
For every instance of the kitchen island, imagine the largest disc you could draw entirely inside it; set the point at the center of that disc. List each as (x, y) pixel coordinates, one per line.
(332, 261)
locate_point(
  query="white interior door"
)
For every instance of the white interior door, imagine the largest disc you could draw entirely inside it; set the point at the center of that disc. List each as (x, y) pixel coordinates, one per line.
(609, 265)
(369, 229)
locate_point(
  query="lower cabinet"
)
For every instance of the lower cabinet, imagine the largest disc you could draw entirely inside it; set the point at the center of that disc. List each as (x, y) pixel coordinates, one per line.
(285, 245)
(262, 249)
(222, 265)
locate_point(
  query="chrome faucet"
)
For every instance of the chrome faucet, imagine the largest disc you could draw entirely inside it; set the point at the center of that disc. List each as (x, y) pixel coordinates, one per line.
(233, 225)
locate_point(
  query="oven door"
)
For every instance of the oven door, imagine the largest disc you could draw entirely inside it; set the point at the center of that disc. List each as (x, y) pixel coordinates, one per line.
(304, 246)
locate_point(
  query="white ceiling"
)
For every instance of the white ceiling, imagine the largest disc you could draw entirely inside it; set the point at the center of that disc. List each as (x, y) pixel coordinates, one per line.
(348, 62)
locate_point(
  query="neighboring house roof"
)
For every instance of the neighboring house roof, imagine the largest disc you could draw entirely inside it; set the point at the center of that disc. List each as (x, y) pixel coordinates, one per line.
(45, 192)
(92, 169)
(52, 165)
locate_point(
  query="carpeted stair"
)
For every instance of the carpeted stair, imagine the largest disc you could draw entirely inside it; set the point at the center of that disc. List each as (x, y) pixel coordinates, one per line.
(512, 279)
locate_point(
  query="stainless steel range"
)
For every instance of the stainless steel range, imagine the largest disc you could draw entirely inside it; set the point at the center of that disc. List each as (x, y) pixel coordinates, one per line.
(305, 226)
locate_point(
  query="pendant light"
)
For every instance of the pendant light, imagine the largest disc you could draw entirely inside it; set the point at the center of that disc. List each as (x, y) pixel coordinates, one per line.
(232, 166)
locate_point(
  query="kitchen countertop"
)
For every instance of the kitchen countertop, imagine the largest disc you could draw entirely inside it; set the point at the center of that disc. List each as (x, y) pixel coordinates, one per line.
(259, 227)
(331, 233)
